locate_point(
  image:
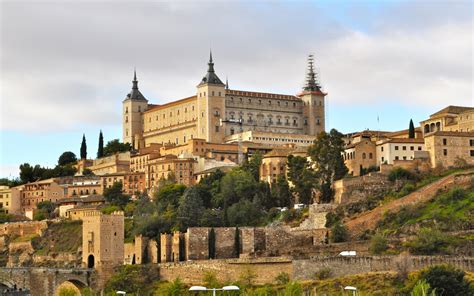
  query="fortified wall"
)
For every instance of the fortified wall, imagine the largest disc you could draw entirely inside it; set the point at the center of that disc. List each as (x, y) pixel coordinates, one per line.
(23, 228)
(266, 270)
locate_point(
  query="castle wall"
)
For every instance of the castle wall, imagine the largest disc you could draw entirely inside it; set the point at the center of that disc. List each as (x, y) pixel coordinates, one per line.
(197, 243)
(225, 242)
(23, 228)
(165, 249)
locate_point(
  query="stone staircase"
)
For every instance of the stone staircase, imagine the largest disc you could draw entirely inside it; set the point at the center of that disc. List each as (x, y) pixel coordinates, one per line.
(369, 220)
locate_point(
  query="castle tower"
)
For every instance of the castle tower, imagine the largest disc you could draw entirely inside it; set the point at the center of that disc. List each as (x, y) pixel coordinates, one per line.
(134, 105)
(313, 100)
(211, 106)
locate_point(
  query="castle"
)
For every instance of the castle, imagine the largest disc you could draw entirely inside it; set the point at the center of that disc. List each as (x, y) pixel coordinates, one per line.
(218, 114)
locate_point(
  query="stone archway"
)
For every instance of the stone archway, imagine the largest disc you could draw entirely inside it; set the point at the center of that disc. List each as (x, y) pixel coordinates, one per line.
(70, 287)
(90, 261)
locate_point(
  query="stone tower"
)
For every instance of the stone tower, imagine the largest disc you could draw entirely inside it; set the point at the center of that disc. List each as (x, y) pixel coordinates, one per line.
(211, 106)
(313, 102)
(134, 105)
(102, 239)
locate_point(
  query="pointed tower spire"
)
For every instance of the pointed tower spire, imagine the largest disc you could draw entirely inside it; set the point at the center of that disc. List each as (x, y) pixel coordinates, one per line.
(311, 77)
(226, 82)
(135, 81)
(211, 63)
(211, 76)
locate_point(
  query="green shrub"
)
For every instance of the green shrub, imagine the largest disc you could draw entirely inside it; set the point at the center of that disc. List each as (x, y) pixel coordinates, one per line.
(282, 278)
(175, 288)
(422, 288)
(399, 173)
(323, 273)
(378, 244)
(339, 233)
(293, 289)
(429, 241)
(67, 291)
(447, 280)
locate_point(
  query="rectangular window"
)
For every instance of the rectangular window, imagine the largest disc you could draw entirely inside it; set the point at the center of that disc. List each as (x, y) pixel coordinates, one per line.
(471, 142)
(381, 149)
(472, 152)
(396, 147)
(445, 142)
(419, 148)
(396, 157)
(412, 148)
(445, 152)
(217, 128)
(404, 158)
(404, 147)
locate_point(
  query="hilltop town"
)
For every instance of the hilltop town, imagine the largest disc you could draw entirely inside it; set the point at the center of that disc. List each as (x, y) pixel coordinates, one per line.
(245, 187)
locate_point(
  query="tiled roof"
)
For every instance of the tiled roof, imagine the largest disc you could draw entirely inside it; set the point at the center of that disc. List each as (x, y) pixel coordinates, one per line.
(170, 104)
(243, 93)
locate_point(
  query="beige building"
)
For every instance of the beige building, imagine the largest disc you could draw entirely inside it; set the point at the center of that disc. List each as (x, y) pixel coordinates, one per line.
(67, 204)
(274, 165)
(447, 149)
(451, 118)
(117, 163)
(163, 167)
(84, 186)
(360, 154)
(216, 112)
(102, 239)
(7, 203)
(33, 193)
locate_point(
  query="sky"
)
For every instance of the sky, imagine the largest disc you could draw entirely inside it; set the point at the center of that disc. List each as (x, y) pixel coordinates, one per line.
(66, 66)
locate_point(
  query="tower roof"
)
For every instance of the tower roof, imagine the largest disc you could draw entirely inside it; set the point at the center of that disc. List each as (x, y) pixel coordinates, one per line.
(135, 94)
(312, 83)
(211, 76)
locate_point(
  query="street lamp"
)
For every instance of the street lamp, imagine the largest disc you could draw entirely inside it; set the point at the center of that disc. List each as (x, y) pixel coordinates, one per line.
(121, 292)
(225, 288)
(350, 288)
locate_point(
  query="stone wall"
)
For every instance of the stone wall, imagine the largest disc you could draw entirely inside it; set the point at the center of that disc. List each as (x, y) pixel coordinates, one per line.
(341, 266)
(226, 270)
(23, 228)
(354, 189)
(166, 241)
(225, 242)
(197, 243)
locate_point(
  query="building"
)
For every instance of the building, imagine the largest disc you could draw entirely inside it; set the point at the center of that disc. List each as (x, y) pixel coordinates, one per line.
(451, 118)
(116, 163)
(31, 194)
(216, 112)
(139, 160)
(448, 149)
(102, 239)
(391, 150)
(133, 183)
(67, 204)
(360, 154)
(84, 186)
(170, 165)
(274, 165)
(7, 203)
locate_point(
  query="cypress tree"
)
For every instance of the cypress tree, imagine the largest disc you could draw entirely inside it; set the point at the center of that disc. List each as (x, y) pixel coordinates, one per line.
(212, 244)
(411, 130)
(100, 150)
(83, 147)
(237, 243)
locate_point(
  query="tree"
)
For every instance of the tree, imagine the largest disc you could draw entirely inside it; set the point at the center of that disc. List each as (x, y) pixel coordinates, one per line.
(253, 165)
(169, 195)
(26, 173)
(87, 172)
(212, 244)
(100, 150)
(83, 147)
(302, 177)
(190, 208)
(67, 158)
(378, 244)
(421, 289)
(326, 154)
(45, 210)
(115, 196)
(114, 146)
(411, 130)
(244, 213)
(447, 280)
(281, 192)
(339, 233)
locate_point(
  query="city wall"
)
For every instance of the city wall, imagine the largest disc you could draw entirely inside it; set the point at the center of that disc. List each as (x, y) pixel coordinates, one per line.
(265, 270)
(23, 228)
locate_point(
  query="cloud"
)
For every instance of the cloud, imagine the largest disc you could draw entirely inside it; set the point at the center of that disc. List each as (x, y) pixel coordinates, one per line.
(65, 65)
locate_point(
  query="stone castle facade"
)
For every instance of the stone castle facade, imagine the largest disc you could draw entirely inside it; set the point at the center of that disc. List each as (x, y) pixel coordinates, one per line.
(217, 113)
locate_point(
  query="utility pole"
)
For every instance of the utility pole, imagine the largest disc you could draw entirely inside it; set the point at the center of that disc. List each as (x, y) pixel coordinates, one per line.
(237, 122)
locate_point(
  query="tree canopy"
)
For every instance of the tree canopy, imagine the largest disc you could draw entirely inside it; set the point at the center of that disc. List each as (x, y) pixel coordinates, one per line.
(66, 158)
(114, 146)
(100, 149)
(411, 130)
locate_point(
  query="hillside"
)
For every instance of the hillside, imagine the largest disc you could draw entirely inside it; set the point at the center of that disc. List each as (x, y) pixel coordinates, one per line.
(369, 220)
